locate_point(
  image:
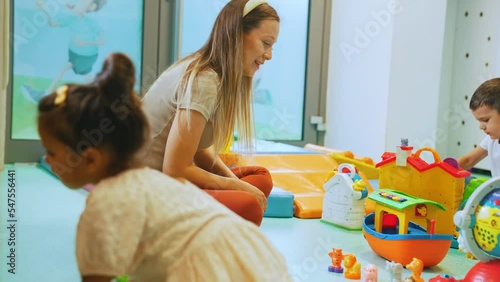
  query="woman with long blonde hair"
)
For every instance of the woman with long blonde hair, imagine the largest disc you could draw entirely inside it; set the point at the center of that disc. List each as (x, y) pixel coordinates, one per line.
(195, 106)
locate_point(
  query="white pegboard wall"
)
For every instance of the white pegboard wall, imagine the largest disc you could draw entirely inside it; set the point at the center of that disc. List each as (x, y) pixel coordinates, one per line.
(475, 60)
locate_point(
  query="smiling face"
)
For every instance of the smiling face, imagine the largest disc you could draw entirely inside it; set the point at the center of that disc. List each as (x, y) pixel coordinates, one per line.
(258, 46)
(489, 120)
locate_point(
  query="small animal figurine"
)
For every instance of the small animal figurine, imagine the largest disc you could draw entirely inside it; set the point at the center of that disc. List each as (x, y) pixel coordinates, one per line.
(421, 210)
(371, 273)
(337, 257)
(352, 267)
(395, 271)
(416, 266)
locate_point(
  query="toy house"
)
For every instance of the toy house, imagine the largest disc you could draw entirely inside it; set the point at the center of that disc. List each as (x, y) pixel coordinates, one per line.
(440, 181)
(343, 202)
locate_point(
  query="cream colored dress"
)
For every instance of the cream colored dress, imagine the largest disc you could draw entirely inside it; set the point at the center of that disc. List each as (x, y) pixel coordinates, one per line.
(155, 228)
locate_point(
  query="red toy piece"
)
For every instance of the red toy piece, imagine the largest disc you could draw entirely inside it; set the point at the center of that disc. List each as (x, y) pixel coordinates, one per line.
(443, 278)
(484, 272)
(389, 221)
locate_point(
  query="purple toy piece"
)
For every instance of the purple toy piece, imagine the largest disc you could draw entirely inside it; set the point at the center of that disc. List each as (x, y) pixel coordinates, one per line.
(335, 269)
(453, 162)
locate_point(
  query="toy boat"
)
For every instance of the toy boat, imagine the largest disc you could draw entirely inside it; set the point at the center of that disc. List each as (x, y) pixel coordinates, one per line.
(402, 248)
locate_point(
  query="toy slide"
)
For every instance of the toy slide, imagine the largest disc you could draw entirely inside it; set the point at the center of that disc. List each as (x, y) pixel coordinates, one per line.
(301, 174)
(364, 164)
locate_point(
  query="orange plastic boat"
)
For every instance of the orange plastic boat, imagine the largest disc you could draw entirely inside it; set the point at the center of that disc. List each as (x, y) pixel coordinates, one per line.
(402, 248)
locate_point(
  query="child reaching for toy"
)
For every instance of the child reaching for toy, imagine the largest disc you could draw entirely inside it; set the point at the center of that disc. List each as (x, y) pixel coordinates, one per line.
(139, 221)
(485, 106)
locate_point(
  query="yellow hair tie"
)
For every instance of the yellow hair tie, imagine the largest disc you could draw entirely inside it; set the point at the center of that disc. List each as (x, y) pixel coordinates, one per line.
(251, 4)
(61, 94)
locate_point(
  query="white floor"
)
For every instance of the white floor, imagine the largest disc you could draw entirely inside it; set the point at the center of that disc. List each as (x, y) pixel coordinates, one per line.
(47, 215)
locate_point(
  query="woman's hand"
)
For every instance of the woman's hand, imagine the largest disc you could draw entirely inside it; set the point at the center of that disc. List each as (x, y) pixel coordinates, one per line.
(259, 195)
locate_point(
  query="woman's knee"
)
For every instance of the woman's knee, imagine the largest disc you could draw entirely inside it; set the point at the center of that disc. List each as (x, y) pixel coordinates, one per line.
(250, 208)
(242, 203)
(257, 176)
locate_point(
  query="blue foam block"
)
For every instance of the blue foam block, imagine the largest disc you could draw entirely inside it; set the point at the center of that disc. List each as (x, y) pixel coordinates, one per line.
(279, 203)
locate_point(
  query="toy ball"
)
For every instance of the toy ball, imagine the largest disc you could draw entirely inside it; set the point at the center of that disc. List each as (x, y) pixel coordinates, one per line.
(479, 224)
(443, 278)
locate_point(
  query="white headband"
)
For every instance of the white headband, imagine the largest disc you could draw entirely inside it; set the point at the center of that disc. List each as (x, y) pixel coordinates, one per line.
(251, 4)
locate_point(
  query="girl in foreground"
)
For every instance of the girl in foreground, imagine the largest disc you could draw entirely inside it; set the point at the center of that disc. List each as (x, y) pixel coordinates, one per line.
(139, 221)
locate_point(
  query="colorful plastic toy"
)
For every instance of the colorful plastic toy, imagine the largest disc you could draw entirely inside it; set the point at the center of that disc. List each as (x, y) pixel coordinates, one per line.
(416, 266)
(352, 267)
(480, 231)
(364, 164)
(483, 271)
(123, 278)
(395, 271)
(423, 197)
(408, 239)
(370, 273)
(403, 152)
(343, 203)
(438, 181)
(442, 278)
(337, 256)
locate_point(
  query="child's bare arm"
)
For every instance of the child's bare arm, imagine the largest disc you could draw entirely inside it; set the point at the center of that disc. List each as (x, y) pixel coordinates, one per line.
(472, 158)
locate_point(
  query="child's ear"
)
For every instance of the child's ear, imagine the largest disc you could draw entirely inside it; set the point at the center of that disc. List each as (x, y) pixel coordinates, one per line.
(94, 159)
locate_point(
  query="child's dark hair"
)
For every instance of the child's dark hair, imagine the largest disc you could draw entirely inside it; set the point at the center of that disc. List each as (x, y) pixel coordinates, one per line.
(487, 94)
(105, 113)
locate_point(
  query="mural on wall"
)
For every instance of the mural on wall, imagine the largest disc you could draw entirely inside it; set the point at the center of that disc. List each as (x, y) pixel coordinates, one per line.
(66, 41)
